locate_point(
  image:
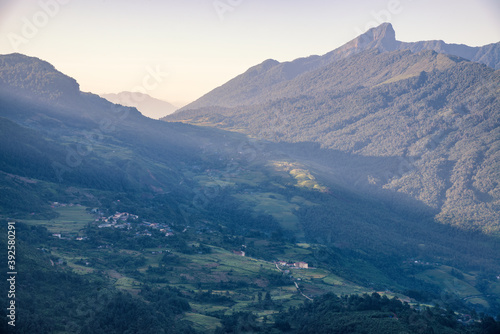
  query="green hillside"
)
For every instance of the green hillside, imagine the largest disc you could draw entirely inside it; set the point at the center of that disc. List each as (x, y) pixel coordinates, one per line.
(141, 225)
(395, 124)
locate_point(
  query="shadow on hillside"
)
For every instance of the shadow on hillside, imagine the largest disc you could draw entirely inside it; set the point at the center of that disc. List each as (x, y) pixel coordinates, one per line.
(382, 220)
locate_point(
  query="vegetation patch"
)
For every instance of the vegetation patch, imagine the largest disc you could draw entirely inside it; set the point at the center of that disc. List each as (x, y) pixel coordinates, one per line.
(202, 322)
(72, 219)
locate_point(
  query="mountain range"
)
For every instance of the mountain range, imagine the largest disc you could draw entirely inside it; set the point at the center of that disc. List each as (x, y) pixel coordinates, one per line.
(147, 105)
(254, 85)
(377, 169)
(431, 107)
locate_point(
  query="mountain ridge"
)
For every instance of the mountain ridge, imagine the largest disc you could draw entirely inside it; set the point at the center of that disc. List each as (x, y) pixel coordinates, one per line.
(22, 75)
(383, 38)
(146, 104)
(247, 87)
(437, 113)
(199, 196)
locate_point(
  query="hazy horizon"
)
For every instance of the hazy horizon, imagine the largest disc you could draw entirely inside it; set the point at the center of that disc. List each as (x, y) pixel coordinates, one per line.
(195, 46)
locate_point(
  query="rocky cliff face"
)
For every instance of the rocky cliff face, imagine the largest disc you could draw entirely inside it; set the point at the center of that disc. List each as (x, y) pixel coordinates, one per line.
(383, 38)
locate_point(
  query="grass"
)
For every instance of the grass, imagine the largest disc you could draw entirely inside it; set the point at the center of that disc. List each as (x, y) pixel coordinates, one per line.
(400, 77)
(496, 287)
(333, 280)
(222, 265)
(70, 259)
(72, 219)
(126, 283)
(447, 282)
(479, 301)
(205, 308)
(202, 322)
(229, 178)
(230, 262)
(303, 177)
(296, 253)
(275, 205)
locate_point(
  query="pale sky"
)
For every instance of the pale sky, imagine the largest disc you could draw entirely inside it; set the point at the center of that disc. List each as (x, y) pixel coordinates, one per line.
(110, 46)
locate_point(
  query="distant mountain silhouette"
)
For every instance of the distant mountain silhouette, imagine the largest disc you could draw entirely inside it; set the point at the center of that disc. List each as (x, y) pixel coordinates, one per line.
(147, 105)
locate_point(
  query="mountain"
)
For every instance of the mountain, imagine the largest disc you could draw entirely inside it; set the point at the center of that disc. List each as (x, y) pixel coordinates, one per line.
(437, 115)
(20, 76)
(147, 105)
(383, 38)
(81, 141)
(152, 219)
(255, 84)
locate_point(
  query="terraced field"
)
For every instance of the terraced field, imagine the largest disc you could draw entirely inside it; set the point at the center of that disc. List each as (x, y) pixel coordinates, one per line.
(72, 219)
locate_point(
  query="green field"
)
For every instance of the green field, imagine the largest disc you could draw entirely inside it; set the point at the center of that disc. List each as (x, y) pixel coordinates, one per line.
(275, 205)
(460, 287)
(202, 322)
(72, 219)
(302, 176)
(239, 279)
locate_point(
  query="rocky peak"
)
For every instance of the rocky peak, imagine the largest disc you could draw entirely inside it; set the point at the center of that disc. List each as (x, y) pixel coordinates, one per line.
(382, 38)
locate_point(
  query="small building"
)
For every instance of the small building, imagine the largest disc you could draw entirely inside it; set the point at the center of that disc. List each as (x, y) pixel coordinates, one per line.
(301, 264)
(240, 253)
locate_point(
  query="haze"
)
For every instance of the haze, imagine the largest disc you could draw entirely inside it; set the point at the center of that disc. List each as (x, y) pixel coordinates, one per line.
(108, 46)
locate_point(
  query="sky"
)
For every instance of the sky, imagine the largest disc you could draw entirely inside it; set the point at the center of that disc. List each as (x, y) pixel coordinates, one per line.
(179, 50)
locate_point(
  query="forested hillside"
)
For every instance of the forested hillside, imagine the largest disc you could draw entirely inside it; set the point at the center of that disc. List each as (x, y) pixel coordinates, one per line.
(124, 221)
(254, 85)
(433, 118)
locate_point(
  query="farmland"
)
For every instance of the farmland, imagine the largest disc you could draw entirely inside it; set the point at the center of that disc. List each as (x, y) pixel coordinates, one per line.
(71, 219)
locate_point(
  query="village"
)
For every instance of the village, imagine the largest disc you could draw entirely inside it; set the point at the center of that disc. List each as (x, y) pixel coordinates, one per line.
(119, 220)
(300, 264)
(283, 264)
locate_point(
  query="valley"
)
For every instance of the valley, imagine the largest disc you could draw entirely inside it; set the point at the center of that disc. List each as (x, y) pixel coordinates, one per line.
(420, 124)
(340, 193)
(203, 263)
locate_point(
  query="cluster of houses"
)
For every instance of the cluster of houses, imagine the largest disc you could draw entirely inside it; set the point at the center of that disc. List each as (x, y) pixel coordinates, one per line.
(118, 220)
(54, 205)
(163, 228)
(421, 263)
(300, 264)
(122, 220)
(69, 236)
